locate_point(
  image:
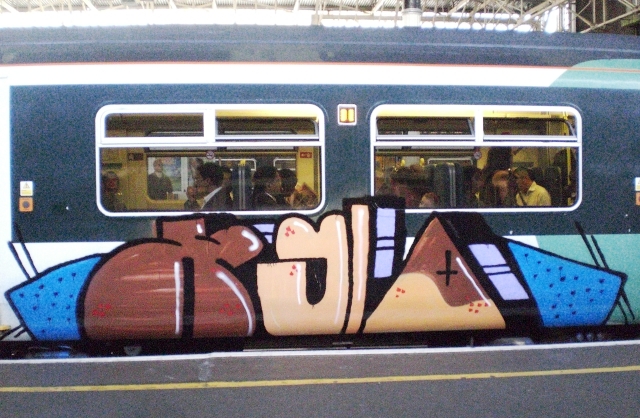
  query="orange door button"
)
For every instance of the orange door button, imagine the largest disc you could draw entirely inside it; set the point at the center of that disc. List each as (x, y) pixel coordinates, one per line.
(25, 204)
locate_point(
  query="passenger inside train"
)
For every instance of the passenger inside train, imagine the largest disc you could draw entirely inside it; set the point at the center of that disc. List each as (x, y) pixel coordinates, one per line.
(210, 178)
(111, 195)
(304, 197)
(192, 204)
(158, 156)
(289, 180)
(267, 184)
(159, 185)
(410, 183)
(529, 192)
(435, 157)
(477, 157)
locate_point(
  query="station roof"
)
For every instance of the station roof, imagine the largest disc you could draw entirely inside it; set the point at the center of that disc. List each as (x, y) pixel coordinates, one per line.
(527, 15)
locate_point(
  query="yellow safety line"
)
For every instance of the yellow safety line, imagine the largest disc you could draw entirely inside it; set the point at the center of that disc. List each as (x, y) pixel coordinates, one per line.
(325, 381)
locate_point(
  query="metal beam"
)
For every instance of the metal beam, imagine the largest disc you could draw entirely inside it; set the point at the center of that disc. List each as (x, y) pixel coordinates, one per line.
(90, 5)
(8, 6)
(514, 13)
(615, 19)
(377, 6)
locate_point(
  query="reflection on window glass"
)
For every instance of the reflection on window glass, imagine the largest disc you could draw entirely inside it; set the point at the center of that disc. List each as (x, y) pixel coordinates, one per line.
(252, 176)
(544, 123)
(421, 158)
(196, 180)
(484, 177)
(524, 126)
(154, 124)
(425, 126)
(272, 126)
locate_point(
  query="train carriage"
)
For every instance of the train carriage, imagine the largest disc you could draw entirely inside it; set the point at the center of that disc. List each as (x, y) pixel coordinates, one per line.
(397, 159)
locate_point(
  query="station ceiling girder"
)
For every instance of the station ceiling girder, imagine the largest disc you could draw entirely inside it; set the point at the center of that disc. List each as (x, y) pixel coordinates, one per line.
(536, 15)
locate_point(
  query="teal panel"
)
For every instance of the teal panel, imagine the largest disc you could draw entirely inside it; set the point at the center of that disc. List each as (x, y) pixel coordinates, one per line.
(602, 74)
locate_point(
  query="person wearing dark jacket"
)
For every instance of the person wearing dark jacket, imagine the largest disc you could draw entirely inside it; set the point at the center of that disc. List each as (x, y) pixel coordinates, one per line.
(267, 184)
(159, 186)
(209, 177)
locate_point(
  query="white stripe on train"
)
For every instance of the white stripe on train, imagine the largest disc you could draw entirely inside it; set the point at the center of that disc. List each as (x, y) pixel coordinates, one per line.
(282, 73)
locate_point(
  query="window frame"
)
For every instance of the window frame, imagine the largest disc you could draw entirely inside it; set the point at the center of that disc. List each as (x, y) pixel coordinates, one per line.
(476, 140)
(210, 139)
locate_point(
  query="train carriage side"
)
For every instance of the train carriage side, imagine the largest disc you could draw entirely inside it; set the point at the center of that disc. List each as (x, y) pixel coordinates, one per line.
(405, 212)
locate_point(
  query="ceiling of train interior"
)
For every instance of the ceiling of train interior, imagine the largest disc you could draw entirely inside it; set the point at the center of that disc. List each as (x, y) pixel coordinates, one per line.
(614, 16)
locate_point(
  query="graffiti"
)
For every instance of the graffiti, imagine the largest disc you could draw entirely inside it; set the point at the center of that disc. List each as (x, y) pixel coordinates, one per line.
(213, 275)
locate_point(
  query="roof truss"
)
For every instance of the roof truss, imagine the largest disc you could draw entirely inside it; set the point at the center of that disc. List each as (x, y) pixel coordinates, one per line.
(535, 15)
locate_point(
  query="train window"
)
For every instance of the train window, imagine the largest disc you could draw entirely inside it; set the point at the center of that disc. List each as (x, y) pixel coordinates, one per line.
(493, 158)
(285, 127)
(426, 126)
(546, 125)
(154, 125)
(183, 158)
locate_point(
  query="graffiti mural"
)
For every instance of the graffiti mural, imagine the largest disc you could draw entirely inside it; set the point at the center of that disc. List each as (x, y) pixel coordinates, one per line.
(213, 275)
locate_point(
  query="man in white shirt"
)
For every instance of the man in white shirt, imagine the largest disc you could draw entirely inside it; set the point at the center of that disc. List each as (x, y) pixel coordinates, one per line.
(529, 192)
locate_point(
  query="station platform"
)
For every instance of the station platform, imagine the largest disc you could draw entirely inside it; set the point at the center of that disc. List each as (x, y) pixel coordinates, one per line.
(587, 379)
